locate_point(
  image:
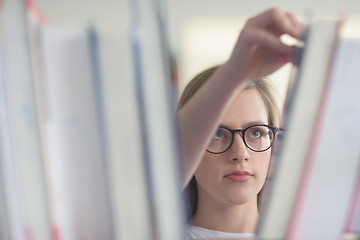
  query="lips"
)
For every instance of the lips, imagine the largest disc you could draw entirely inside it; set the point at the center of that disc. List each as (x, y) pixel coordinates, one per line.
(239, 176)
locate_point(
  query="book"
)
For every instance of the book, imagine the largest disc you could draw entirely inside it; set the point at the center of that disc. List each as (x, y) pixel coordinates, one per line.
(353, 221)
(27, 200)
(156, 97)
(74, 139)
(299, 121)
(11, 218)
(332, 163)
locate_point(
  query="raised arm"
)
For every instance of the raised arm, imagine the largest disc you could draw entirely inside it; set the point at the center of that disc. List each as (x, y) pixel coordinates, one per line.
(257, 53)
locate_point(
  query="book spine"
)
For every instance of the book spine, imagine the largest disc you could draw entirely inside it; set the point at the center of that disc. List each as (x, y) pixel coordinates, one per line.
(25, 139)
(353, 224)
(11, 219)
(299, 121)
(158, 113)
(76, 154)
(326, 184)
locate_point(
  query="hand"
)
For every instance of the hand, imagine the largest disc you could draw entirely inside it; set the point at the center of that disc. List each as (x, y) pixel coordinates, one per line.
(259, 50)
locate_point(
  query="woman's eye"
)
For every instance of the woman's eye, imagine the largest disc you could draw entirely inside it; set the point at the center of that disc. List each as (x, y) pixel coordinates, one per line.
(255, 133)
(219, 134)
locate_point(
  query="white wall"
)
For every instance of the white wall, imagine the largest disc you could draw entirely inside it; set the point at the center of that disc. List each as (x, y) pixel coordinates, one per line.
(202, 32)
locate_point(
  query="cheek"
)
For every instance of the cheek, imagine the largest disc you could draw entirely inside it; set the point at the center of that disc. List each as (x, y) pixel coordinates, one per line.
(208, 168)
(263, 163)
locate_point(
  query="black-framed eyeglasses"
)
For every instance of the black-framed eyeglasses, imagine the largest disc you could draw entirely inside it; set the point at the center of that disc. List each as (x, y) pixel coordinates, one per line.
(257, 138)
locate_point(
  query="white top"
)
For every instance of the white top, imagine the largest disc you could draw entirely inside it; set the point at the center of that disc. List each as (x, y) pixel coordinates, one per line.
(193, 232)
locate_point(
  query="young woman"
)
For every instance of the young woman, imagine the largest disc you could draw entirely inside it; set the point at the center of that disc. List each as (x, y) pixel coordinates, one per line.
(227, 117)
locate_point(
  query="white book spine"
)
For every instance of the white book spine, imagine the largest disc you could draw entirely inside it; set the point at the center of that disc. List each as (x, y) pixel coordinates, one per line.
(158, 114)
(12, 216)
(78, 184)
(353, 224)
(25, 140)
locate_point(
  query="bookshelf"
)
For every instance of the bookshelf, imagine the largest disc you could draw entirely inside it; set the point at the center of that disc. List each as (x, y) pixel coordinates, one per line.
(93, 151)
(136, 213)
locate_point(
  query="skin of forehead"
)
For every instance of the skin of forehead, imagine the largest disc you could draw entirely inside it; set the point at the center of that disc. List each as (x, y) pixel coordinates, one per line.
(246, 109)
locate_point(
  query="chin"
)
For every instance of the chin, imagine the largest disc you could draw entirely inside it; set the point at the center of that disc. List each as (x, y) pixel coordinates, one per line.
(240, 199)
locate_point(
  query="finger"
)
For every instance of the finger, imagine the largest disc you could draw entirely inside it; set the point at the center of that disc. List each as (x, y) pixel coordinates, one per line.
(277, 21)
(264, 38)
(299, 26)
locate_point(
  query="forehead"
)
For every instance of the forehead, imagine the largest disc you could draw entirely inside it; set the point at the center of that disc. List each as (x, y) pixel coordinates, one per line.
(247, 107)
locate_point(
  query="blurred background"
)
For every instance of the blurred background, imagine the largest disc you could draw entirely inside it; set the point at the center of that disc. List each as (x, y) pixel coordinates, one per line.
(200, 32)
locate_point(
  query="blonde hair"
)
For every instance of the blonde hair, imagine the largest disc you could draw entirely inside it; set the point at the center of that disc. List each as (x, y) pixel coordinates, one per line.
(266, 92)
(263, 86)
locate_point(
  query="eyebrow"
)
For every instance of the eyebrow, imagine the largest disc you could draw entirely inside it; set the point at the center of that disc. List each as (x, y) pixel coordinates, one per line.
(246, 125)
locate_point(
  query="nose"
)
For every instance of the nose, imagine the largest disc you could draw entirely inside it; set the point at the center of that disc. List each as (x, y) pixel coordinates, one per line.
(238, 150)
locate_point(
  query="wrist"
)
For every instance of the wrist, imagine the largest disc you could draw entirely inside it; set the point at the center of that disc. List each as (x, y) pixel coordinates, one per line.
(233, 76)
